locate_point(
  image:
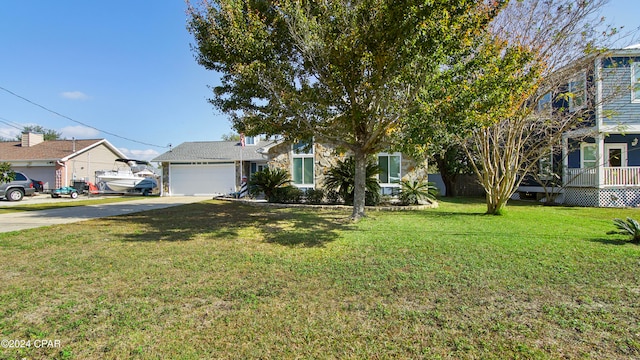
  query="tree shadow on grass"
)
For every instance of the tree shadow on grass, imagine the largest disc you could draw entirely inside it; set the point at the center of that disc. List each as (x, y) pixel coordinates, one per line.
(610, 241)
(307, 228)
(228, 220)
(437, 214)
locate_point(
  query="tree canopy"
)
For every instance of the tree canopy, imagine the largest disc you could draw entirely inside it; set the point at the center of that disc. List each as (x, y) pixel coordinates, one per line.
(48, 134)
(6, 173)
(346, 73)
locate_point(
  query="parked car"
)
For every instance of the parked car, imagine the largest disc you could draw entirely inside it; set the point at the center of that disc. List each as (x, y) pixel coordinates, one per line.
(37, 185)
(15, 190)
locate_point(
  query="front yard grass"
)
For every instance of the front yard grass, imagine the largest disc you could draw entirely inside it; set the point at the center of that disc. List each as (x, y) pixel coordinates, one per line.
(226, 280)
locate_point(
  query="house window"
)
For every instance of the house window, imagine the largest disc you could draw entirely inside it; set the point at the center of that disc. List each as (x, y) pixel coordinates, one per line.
(544, 104)
(303, 164)
(635, 82)
(577, 92)
(589, 155)
(390, 174)
(255, 167)
(389, 168)
(250, 140)
(545, 165)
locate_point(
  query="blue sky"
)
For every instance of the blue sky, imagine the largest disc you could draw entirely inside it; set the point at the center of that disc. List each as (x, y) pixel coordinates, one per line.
(124, 67)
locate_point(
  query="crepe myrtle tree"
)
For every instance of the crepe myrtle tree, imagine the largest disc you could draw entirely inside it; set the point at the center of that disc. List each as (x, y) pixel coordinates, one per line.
(559, 35)
(345, 73)
(488, 99)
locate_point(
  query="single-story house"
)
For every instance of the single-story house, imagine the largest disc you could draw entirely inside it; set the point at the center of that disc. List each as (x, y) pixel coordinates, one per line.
(59, 162)
(216, 167)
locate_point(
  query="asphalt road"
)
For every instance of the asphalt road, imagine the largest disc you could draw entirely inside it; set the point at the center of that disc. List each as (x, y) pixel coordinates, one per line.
(32, 219)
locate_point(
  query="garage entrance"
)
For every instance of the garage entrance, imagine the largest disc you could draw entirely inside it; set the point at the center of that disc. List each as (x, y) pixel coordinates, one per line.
(201, 179)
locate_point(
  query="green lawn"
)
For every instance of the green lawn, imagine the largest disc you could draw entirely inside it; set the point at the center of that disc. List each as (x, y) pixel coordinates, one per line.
(226, 280)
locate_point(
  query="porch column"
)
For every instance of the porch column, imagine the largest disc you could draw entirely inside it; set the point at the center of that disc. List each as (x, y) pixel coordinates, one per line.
(600, 159)
(565, 159)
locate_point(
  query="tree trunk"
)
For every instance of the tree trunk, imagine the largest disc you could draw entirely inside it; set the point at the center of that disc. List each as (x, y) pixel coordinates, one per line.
(496, 204)
(359, 187)
(448, 178)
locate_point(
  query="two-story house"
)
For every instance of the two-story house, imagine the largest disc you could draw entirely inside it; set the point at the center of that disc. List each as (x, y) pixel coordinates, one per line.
(600, 161)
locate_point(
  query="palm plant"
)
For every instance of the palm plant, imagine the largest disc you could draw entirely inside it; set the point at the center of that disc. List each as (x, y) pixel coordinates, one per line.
(267, 180)
(341, 178)
(629, 227)
(414, 192)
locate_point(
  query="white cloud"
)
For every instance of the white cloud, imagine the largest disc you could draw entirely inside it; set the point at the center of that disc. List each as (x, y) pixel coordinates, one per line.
(74, 95)
(79, 132)
(9, 133)
(146, 154)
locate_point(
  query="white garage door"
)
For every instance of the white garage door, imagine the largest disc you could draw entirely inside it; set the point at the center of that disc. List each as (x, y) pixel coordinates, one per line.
(210, 179)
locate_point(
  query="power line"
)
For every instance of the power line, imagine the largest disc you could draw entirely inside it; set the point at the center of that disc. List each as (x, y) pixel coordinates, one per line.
(11, 123)
(78, 122)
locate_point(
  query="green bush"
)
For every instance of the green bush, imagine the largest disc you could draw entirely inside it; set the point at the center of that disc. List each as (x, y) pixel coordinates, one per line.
(372, 198)
(286, 195)
(333, 197)
(341, 178)
(414, 192)
(267, 181)
(314, 196)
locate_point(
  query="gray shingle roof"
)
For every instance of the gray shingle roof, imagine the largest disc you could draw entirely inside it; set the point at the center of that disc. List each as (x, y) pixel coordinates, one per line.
(211, 151)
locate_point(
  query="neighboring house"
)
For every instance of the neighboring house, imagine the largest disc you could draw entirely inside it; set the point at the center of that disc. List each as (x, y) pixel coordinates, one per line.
(214, 167)
(600, 162)
(58, 163)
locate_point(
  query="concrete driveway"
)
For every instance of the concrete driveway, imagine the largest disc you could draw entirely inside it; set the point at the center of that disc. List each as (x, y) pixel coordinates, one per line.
(32, 219)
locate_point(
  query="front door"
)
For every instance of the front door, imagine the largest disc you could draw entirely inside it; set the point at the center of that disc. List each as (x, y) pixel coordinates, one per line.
(616, 155)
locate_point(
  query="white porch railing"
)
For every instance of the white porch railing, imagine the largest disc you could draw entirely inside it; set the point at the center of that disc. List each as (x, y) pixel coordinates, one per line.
(612, 176)
(581, 177)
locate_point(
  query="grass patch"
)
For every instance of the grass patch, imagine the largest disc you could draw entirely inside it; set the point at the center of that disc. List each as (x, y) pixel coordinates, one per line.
(63, 204)
(227, 280)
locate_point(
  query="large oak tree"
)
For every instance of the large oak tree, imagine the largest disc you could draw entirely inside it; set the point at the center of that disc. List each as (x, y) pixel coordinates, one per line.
(342, 72)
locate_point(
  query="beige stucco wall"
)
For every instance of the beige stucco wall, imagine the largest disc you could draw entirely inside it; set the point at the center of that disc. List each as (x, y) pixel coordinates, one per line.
(86, 164)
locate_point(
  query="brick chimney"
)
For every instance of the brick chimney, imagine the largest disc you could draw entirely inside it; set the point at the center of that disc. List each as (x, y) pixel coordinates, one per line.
(30, 139)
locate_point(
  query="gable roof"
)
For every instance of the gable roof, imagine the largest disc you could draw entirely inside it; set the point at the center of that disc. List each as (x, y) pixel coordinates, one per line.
(210, 151)
(51, 150)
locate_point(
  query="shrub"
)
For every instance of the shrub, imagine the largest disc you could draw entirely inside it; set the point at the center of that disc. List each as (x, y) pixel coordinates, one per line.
(267, 181)
(372, 198)
(314, 196)
(286, 195)
(341, 178)
(414, 192)
(629, 227)
(333, 197)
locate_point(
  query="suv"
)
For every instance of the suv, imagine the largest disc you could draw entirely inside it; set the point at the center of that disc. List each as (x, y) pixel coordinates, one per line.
(15, 190)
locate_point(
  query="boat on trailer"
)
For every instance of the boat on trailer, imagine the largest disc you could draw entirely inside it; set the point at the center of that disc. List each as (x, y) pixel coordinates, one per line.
(125, 176)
